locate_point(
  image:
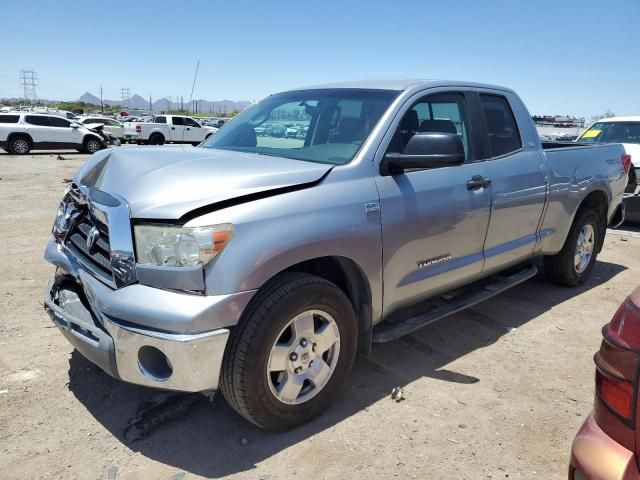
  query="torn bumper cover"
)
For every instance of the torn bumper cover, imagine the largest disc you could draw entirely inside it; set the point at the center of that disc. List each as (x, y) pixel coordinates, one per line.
(80, 306)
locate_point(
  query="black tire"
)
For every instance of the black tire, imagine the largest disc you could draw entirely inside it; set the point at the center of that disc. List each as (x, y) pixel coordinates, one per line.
(19, 145)
(156, 139)
(244, 370)
(560, 268)
(633, 181)
(91, 145)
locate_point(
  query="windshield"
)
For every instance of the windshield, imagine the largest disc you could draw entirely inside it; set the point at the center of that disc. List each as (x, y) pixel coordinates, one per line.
(324, 126)
(612, 132)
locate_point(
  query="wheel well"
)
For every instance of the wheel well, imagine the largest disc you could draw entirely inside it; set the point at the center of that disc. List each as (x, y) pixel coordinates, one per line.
(19, 134)
(88, 136)
(156, 134)
(346, 275)
(598, 201)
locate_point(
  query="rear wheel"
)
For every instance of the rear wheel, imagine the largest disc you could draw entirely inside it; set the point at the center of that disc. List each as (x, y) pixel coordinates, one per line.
(292, 353)
(156, 139)
(573, 264)
(19, 145)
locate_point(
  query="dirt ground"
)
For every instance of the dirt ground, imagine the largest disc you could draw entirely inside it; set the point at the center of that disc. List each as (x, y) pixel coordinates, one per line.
(497, 391)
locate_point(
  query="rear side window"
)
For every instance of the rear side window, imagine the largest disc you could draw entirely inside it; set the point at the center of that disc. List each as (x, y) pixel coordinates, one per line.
(36, 120)
(59, 122)
(178, 121)
(504, 137)
(160, 120)
(9, 118)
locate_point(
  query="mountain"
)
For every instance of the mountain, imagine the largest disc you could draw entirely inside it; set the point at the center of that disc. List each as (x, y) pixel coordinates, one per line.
(137, 102)
(89, 98)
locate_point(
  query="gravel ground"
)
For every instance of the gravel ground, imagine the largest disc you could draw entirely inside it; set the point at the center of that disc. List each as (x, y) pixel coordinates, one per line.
(494, 392)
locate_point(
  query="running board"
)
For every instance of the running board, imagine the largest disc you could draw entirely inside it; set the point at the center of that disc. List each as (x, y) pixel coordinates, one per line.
(451, 303)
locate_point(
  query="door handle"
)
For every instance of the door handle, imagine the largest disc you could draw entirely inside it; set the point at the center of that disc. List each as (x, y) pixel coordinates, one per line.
(173, 128)
(188, 128)
(478, 181)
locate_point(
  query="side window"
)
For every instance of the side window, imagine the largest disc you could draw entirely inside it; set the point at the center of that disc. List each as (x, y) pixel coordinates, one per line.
(504, 137)
(437, 114)
(190, 122)
(177, 120)
(112, 123)
(59, 122)
(9, 118)
(160, 119)
(37, 120)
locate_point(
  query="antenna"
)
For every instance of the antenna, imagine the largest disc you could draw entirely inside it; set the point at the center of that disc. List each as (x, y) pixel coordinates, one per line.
(194, 83)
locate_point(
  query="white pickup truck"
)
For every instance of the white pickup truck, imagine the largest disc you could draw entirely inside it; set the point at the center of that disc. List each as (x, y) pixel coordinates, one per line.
(168, 129)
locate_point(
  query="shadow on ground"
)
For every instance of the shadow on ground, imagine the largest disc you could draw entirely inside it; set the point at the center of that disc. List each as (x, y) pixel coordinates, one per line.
(208, 441)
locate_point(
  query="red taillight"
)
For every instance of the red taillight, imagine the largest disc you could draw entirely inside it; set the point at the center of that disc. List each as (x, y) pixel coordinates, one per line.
(626, 162)
(138, 129)
(616, 393)
(617, 362)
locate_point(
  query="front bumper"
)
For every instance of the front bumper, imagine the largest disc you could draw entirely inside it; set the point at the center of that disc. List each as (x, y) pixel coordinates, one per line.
(596, 456)
(111, 328)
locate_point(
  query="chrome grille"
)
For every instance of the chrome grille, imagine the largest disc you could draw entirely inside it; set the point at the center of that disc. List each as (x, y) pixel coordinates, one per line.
(99, 254)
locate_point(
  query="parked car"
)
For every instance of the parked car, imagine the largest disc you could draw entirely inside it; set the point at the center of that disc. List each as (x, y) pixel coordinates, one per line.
(168, 129)
(606, 447)
(20, 132)
(114, 127)
(625, 130)
(262, 268)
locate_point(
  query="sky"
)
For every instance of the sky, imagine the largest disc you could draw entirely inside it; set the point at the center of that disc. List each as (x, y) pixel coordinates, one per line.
(575, 57)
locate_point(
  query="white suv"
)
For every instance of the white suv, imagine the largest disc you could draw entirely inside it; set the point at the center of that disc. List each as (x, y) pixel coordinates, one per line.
(22, 131)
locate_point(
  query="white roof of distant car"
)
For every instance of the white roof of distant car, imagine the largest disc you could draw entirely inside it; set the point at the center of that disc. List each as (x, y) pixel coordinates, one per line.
(633, 118)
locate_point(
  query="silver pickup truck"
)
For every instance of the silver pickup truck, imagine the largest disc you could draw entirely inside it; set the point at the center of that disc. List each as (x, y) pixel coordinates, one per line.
(261, 265)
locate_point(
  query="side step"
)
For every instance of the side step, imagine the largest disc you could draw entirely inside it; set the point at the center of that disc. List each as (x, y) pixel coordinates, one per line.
(448, 304)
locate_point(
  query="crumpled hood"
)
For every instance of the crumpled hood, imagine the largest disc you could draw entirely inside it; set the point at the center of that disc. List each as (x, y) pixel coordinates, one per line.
(168, 182)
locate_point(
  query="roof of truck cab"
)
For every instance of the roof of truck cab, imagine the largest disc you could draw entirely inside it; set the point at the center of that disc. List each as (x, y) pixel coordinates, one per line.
(634, 118)
(402, 84)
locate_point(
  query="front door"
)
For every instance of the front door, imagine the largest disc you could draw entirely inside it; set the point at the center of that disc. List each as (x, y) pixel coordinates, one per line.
(192, 131)
(433, 221)
(65, 134)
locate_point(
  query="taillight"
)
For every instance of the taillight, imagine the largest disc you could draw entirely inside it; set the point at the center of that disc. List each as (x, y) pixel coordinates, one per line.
(138, 129)
(617, 362)
(626, 162)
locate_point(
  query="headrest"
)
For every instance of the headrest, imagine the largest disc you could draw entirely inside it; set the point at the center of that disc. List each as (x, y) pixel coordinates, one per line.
(410, 121)
(439, 126)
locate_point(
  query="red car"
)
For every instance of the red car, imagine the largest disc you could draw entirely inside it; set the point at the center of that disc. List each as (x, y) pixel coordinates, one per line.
(607, 445)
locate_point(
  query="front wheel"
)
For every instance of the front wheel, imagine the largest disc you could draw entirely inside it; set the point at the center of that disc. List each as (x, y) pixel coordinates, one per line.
(292, 353)
(573, 264)
(92, 145)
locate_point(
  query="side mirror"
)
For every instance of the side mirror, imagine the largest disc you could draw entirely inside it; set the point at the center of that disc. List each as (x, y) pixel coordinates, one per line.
(75, 125)
(426, 150)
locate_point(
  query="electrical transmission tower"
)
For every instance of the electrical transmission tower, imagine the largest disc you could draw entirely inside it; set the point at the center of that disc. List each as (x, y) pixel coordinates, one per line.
(124, 96)
(29, 81)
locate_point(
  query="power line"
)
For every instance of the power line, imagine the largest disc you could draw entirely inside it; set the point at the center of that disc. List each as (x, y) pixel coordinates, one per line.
(124, 97)
(29, 82)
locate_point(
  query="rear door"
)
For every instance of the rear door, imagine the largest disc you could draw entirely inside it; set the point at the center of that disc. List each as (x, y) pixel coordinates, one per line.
(39, 128)
(177, 129)
(519, 180)
(433, 221)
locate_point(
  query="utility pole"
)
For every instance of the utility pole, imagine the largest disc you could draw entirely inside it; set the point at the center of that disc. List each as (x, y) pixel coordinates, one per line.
(181, 103)
(29, 81)
(150, 107)
(101, 103)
